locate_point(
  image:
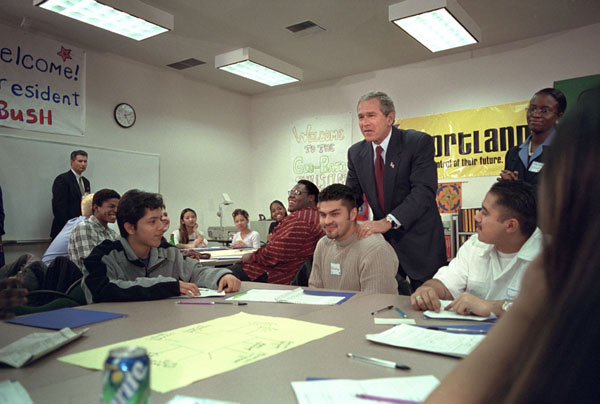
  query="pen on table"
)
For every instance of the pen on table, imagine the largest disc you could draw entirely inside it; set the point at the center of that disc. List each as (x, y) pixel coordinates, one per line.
(380, 310)
(380, 362)
(385, 399)
(209, 303)
(402, 314)
(463, 330)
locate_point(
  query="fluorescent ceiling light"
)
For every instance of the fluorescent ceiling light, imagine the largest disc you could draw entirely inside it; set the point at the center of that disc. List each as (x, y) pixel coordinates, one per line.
(257, 66)
(437, 24)
(139, 22)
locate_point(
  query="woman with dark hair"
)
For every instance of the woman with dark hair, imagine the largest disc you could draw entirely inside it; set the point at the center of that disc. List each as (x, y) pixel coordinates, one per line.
(278, 212)
(545, 348)
(244, 237)
(188, 235)
(524, 162)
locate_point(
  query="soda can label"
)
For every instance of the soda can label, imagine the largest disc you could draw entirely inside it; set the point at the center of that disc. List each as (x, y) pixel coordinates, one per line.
(126, 376)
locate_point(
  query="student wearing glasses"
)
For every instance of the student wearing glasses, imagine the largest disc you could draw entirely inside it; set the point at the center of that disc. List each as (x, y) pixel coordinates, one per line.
(292, 244)
(525, 162)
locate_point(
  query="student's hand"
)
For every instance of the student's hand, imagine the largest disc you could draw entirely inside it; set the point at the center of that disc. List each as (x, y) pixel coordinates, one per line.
(239, 243)
(188, 289)
(425, 298)
(471, 304)
(507, 175)
(246, 258)
(229, 283)
(196, 255)
(371, 227)
(11, 294)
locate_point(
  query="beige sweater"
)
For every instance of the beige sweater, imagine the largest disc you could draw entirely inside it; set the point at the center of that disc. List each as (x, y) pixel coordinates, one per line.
(367, 265)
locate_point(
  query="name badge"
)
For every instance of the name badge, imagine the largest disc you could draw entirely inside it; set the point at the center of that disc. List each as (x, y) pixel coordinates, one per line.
(335, 269)
(536, 166)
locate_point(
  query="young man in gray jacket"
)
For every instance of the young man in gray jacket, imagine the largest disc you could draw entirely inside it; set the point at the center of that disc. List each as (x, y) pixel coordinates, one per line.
(141, 266)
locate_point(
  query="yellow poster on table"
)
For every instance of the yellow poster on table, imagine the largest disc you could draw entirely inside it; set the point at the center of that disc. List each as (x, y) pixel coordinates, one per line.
(188, 354)
(472, 142)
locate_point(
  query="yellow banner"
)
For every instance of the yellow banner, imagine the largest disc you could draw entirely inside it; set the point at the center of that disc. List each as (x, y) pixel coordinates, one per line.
(472, 142)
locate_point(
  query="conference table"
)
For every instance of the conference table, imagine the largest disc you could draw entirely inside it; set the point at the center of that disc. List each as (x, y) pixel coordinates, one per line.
(266, 381)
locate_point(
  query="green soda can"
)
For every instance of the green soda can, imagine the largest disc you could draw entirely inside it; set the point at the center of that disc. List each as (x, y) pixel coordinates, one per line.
(126, 376)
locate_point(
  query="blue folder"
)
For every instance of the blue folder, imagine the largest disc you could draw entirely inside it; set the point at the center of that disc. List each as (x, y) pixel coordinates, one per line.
(67, 317)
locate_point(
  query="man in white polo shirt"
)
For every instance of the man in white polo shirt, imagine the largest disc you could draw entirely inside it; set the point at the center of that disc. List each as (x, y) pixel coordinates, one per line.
(486, 274)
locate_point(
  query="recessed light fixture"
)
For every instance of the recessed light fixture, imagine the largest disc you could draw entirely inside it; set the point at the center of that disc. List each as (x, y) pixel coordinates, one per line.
(257, 66)
(437, 24)
(131, 18)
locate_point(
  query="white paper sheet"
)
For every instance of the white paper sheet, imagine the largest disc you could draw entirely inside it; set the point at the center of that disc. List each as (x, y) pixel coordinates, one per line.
(13, 392)
(394, 321)
(204, 292)
(451, 315)
(412, 337)
(33, 346)
(296, 296)
(192, 400)
(344, 391)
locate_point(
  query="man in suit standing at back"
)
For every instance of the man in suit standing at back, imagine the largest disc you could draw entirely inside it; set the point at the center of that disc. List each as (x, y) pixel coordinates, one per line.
(67, 190)
(395, 169)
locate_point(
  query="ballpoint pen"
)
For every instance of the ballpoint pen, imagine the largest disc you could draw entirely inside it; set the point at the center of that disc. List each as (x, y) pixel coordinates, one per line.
(209, 303)
(462, 330)
(402, 314)
(380, 362)
(385, 399)
(380, 310)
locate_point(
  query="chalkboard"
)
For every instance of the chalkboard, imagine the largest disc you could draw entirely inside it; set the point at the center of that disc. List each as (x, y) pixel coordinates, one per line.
(28, 168)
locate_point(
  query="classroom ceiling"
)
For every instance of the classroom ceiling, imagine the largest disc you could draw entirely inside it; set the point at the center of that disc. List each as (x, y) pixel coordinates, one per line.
(358, 37)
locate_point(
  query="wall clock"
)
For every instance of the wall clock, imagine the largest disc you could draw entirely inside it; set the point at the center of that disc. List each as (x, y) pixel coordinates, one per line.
(125, 115)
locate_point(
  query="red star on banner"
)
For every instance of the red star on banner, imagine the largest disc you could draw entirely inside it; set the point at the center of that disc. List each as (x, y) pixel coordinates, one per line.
(64, 53)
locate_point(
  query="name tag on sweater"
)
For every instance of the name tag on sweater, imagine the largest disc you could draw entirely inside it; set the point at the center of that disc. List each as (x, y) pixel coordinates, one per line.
(335, 269)
(536, 166)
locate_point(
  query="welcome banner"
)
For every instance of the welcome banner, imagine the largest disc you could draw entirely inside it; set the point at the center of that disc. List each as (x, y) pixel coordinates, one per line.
(42, 84)
(472, 142)
(318, 147)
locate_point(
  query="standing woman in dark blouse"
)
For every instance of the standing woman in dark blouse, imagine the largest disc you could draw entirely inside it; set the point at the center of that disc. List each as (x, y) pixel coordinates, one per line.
(278, 212)
(525, 162)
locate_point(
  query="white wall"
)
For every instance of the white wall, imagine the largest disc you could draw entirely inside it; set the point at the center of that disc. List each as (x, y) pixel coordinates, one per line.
(212, 141)
(470, 79)
(201, 133)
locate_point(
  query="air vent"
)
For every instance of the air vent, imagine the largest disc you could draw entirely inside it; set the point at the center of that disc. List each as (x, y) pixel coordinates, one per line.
(305, 28)
(186, 64)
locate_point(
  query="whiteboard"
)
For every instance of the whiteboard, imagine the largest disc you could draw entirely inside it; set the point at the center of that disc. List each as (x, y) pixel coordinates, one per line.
(28, 168)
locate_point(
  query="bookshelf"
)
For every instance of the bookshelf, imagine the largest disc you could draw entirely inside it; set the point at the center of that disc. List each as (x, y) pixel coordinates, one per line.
(463, 226)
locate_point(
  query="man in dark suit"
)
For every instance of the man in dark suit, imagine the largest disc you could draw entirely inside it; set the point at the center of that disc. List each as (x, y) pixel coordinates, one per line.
(67, 190)
(395, 169)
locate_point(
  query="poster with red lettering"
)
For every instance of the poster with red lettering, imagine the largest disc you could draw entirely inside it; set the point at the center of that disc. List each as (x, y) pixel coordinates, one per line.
(42, 84)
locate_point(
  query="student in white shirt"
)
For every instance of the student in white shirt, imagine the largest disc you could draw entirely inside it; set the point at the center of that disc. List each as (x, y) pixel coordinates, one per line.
(245, 237)
(486, 274)
(188, 235)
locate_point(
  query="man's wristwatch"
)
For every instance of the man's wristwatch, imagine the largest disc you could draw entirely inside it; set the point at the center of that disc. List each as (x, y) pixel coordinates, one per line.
(390, 219)
(506, 305)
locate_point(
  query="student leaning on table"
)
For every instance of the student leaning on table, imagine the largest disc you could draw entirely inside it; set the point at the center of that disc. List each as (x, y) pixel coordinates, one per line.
(545, 349)
(486, 274)
(141, 266)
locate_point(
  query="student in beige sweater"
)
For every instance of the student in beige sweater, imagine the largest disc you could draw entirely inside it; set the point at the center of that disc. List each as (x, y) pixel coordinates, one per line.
(342, 261)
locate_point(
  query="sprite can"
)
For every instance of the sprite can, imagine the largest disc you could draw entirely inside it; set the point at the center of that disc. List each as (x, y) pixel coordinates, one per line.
(126, 376)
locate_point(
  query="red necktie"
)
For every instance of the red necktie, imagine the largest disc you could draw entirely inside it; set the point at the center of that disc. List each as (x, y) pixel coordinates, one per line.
(379, 177)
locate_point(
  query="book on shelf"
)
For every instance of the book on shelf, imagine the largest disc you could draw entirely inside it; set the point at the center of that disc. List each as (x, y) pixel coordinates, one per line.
(466, 220)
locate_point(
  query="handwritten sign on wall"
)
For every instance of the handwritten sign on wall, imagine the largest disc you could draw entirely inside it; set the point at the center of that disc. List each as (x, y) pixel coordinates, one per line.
(42, 84)
(318, 148)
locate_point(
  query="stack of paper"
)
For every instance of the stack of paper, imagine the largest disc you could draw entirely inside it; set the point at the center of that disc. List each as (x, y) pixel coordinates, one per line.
(452, 315)
(297, 296)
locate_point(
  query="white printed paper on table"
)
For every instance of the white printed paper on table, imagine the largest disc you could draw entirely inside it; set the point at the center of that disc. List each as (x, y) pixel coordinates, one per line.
(344, 391)
(452, 315)
(422, 339)
(296, 296)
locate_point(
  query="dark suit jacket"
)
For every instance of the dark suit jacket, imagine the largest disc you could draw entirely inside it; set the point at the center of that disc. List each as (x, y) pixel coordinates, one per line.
(410, 186)
(514, 163)
(66, 200)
